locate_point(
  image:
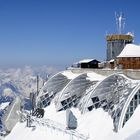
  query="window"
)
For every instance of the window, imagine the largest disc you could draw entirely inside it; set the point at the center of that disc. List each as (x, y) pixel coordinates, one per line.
(132, 106)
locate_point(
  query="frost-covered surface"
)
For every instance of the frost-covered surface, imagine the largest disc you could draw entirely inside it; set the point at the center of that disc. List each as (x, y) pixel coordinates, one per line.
(133, 125)
(51, 113)
(97, 124)
(90, 123)
(21, 132)
(130, 50)
(112, 95)
(131, 130)
(72, 93)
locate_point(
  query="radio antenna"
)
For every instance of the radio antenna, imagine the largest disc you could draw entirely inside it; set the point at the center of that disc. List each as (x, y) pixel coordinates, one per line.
(120, 22)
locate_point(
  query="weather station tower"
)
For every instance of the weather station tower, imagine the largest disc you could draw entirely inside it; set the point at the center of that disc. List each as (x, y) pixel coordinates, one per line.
(116, 42)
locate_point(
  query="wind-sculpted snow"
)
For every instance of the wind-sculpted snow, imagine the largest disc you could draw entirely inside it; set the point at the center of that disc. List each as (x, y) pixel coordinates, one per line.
(52, 130)
(106, 104)
(88, 91)
(97, 124)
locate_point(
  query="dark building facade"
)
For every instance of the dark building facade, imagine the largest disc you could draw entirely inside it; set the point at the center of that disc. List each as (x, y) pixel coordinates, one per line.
(91, 64)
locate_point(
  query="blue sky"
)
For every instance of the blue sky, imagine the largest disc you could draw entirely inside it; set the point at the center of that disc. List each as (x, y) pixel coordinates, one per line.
(60, 32)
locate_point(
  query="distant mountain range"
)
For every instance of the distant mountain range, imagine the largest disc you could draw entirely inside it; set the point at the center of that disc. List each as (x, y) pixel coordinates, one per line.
(21, 81)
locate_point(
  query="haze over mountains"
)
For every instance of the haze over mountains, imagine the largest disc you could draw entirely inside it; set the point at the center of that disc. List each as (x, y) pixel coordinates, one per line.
(23, 80)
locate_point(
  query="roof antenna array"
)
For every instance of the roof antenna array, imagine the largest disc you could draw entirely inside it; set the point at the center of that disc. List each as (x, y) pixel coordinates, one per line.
(120, 22)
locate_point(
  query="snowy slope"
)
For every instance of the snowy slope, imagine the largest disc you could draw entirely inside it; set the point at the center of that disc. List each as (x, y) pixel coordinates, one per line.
(88, 124)
(97, 124)
(21, 132)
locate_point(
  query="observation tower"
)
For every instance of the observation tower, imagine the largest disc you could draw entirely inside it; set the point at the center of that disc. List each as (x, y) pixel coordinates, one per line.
(116, 42)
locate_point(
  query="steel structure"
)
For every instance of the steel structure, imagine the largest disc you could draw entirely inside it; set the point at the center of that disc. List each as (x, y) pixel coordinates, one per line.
(54, 85)
(73, 91)
(118, 95)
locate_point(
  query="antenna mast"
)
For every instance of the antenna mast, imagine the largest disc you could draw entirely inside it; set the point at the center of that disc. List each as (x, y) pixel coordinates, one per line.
(120, 21)
(37, 85)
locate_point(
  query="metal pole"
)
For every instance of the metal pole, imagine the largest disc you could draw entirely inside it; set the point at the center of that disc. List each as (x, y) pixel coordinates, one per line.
(37, 85)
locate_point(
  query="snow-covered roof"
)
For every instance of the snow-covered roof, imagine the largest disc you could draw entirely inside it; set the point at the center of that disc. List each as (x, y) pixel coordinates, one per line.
(130, 50)
(112, 60)
(69, 74)
(85, 60)
(92, 76)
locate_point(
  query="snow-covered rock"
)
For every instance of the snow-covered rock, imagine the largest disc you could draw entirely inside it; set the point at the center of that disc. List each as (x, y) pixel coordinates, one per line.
(71, 120)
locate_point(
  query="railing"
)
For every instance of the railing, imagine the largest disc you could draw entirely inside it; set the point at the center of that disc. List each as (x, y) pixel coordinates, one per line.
(57, 127)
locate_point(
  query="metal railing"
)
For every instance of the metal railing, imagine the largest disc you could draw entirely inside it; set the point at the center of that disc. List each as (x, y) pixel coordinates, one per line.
(73, 134)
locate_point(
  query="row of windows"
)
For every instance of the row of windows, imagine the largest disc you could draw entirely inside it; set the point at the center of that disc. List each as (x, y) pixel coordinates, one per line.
(111, 96)
(100, 103)
(132, 106)
(69, 102)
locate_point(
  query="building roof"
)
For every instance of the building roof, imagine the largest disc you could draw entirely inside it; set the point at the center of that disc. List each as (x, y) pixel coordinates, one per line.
(112, 60)
(130, 50)
(85, 60)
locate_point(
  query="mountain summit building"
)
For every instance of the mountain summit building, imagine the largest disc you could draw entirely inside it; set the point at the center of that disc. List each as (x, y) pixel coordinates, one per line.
(116, 43)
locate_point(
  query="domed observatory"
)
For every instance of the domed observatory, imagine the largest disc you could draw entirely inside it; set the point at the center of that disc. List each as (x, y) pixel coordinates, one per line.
(53, 86)
(113, 94)
(75, 89)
